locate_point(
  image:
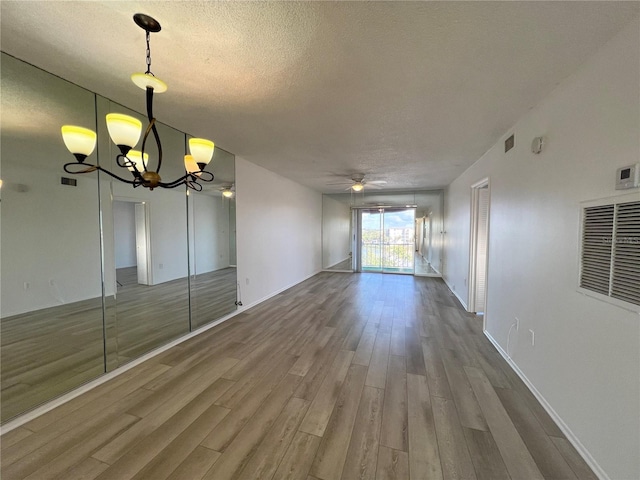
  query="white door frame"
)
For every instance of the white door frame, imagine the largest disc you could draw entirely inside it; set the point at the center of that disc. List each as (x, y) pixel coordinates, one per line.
(149, 269)
(473, 245)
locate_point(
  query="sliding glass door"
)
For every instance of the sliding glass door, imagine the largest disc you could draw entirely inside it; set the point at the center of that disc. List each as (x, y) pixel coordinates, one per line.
(387, 240)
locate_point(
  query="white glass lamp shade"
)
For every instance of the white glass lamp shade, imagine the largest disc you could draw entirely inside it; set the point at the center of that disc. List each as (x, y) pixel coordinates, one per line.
(201, 149)
(357, 187)
(123, 129)
(190, 164)
(136, 158)
(146, 80)
(79, 140)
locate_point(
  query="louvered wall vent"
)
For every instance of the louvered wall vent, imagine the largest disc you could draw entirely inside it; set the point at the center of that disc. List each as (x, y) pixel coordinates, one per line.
(610, 257)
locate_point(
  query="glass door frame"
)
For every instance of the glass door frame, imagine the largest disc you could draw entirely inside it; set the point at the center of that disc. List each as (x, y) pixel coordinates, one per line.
(357, 239)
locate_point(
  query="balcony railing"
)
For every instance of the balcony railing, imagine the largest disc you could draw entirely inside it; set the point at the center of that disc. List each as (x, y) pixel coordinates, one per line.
(387, 255)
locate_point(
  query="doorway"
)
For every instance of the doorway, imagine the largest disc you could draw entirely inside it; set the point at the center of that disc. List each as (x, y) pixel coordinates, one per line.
(131, 230)
(479, 246)
(386, 240)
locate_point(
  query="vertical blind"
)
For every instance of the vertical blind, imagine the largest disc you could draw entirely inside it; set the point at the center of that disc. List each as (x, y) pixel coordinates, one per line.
(610, 257)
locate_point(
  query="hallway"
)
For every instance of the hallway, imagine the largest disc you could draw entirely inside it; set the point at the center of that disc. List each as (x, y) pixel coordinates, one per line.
(342, 376)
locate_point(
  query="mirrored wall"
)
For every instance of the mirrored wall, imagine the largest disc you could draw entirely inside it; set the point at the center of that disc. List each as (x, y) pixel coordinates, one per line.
(98, 273)
(345, 217)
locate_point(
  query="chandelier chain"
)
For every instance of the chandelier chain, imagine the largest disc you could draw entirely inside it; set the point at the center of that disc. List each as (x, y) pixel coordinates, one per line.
(148, 54)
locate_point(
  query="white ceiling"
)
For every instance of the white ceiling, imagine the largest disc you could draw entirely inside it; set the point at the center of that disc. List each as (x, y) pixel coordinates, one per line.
(408, 92)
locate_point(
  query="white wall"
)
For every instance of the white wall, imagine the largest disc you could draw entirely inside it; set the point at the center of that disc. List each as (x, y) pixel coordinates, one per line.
(124, 221)
(336, 224)
(586, 359)
(279, 232)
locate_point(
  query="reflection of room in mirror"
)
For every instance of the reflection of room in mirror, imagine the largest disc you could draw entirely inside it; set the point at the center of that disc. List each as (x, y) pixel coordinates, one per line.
(66, 244)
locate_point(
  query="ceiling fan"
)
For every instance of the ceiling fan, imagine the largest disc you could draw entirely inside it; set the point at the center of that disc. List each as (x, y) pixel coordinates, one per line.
(228, 190)
(358, 183)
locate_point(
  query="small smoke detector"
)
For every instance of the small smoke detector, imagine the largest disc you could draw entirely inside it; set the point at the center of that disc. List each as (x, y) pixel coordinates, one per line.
(537, 145)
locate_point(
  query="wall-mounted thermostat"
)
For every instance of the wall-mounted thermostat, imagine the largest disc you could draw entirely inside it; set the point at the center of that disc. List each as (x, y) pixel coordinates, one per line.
(628, 177)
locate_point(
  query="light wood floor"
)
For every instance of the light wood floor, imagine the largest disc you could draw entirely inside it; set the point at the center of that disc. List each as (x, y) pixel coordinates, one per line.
(51, 351)
(352, 376)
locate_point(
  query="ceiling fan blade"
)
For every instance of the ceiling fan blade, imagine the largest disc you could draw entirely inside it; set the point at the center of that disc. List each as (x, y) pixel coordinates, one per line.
(377, 182)
(372, 186)
(339, 183)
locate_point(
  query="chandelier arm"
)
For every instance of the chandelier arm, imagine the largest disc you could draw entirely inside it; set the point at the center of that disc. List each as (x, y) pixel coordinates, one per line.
(205, 176)
(93, 168)
(173, 184)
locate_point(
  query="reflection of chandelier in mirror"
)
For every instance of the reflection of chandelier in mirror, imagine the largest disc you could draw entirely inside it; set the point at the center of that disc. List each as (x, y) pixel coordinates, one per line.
(125, 132)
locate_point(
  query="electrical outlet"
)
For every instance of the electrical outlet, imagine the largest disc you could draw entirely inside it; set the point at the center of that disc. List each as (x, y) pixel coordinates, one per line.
(532, 336)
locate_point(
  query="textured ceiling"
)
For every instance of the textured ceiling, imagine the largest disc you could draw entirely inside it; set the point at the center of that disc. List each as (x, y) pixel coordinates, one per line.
(407, 92)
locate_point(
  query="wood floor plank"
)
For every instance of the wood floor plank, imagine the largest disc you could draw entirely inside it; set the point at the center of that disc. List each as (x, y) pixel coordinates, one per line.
(454, 454)
(195, 465)
(146, 449)
(547, 457)
(320, 410)
(237, 454)
(310, 356)
(65, 418)
(188, 385)
(392, 464)
(120, 445)
(415, 358)
(436, 375)
(365, 348)
(397, 338)
(69, 449)
(299, 457)
(516, 456)
(469, 410)
(225, 432)
(53, 439)
(377, 375)
(362, 455)
(332, 452)
(424, 458)
(88, 469)
(394, 418)
(264, 462)
(172, 456)
(485, 455)
(317, 373)
(577, 464)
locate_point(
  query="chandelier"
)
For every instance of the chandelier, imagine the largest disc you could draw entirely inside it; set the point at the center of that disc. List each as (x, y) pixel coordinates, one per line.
(125, 131)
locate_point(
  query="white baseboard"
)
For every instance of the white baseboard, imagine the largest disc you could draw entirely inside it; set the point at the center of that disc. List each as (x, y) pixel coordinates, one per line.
(462, 302)
(582, 451)
(277, 292)
(331, 266)
(56, 402)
